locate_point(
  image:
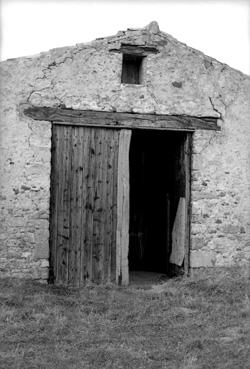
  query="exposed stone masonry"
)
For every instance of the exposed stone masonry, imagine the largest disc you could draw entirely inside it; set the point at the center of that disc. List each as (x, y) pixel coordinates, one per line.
(177, 80)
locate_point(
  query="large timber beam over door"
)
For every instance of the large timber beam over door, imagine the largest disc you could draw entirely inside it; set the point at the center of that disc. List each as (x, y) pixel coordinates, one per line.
(120, 120)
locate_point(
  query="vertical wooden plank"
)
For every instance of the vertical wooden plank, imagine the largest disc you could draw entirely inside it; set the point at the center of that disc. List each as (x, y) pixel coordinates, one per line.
(79, 202)
(105, 205)
(75, 207)
(113, 163)
(79, 208)
(59, 200)
(59, 240)
(187, 167)
(63, 203)
(72, 204)
(98, 212)
(89, 207)
(84, 142)
(110, 234)
(54, 178)
(122, 235)
(110, 200)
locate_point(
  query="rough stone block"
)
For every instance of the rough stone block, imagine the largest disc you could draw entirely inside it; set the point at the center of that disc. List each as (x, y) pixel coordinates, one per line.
(41, 250)
(231, 228)
(201, 259)
(44, 263)
(198, 243)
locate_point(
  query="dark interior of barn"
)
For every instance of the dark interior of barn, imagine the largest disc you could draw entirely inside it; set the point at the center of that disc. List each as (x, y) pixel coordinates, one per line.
(156, 183)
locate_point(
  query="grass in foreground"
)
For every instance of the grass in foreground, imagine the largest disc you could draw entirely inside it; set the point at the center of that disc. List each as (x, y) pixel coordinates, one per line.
(183, 323)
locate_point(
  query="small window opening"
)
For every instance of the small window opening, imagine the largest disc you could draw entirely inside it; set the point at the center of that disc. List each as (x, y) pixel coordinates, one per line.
(131, 69)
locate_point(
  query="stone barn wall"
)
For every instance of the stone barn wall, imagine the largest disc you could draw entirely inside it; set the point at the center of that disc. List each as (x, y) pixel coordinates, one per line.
(177, 80)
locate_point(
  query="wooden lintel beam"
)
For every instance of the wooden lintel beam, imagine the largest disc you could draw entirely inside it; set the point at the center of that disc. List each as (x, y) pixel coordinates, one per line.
(120, 120)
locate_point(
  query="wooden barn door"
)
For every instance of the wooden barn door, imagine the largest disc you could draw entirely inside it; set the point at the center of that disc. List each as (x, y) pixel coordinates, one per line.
(83, 204)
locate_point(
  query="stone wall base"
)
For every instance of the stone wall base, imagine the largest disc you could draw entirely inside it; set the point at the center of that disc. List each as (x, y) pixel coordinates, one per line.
(212, 273)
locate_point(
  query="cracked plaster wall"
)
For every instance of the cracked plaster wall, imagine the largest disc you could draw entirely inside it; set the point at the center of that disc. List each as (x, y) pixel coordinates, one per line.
(221, 188)
(177, 80)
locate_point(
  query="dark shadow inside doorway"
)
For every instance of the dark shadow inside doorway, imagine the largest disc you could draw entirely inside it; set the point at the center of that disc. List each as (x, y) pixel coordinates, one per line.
(157, 180)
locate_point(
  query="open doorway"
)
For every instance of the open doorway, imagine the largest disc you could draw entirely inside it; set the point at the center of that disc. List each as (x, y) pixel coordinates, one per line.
(157, 184)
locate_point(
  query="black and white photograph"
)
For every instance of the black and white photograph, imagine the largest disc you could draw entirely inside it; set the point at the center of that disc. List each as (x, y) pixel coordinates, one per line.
(124, 184)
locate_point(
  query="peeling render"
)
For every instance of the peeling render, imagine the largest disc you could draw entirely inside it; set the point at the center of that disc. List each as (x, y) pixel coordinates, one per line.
(177, 80)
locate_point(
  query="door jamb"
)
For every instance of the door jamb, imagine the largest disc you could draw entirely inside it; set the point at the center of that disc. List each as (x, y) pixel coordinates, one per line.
(188, 208)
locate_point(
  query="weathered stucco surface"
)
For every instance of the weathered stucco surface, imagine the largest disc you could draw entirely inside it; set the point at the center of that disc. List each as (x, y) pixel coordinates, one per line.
(177, 80)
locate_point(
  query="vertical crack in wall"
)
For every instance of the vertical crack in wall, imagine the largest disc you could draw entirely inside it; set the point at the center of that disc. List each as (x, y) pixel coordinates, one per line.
(48, 69)
(215, 109)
